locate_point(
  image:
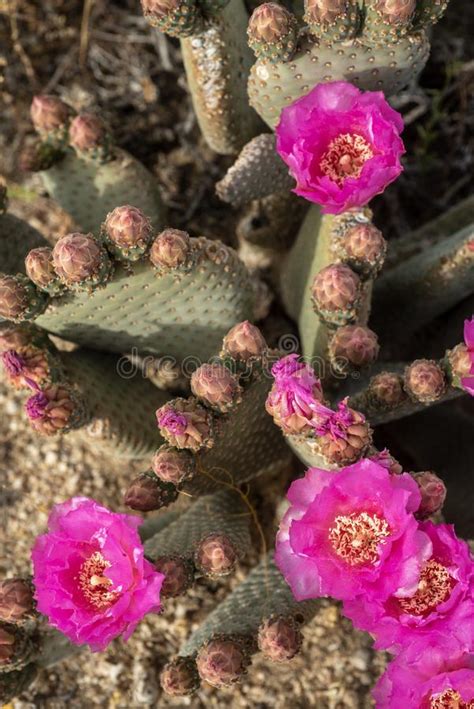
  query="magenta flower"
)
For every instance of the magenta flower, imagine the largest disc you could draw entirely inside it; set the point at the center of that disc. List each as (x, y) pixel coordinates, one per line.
(468, 382)
(351, 532)
(171, 420)
(13, 362)
(91, 578)
(294, 394)
(333, 423)
(443, 596)
(342, 145)
(434, 673)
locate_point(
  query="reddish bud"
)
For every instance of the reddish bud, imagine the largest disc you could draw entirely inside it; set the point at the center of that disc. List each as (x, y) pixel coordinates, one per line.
(127, 232)
(179, 575)
(425, 381)
(354, 345)
(364, 248)
(173, 466)
(185, 424)
(279, 638)
(272, 32)
(40, 269)
(87, 132)
(244, 341)
(55, 409)
(147, 493)
(216, 555)
(336, 293)
(19, 299)
(216, 386)
(170, 249)
(80, 260)
(180, 678)
(222, 661)
(433, 493)
(16, 600)
(386, 390)
(49, 114)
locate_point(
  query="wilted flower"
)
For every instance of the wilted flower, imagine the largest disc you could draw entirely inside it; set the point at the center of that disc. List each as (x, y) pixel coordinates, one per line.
(351, 532)
(441, 596)
(468, 382)
(342, 145)
(91, 578)
(294, 393)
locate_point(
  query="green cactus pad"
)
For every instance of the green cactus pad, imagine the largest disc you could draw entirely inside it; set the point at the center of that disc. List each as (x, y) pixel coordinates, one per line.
(179, 314)
(217, 62)
(387, 68)
(120, 407)
(89, 189)
(263, 593)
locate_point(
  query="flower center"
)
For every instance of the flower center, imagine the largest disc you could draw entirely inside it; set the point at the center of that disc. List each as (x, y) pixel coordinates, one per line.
(356, 538)
(449, 699)
(93, 584)
(175, 422)
(345, 157)
(434, 587)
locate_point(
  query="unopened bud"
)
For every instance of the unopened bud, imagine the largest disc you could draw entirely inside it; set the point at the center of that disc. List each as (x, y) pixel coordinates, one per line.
(19, 298)
(170, 249)
(353, 346)
(222, 661)
(147, 493)
(272, 32)
(385, 390)
(363, 248)
(244, 342)
(216, 555)
(173, 466)
(80, 261)
(40, 269)
(87, 134)
(16, 600)
(216, 386)
(177, 18)
(180, 678)
(50, 116)
(425, 381)
(279, 638)
(433, 493)
(459, 363)
(336, 293)
(127, 233)
(178, 572)
(349, 448)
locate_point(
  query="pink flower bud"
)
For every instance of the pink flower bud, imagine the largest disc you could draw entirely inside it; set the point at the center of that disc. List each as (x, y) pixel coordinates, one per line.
(336, 293)
(170, 249)
(128, 232)
(279, 638)
(80, 260)
(222, 661)
(173, 466)
(185, 424)
(244, 341)
(364, 248)
(49, 113)
(87, 132)
(54, 409)
(180, 678)
(272, 32)
(354, 345)
(13, 298)
(351, 446)
(433, 493)
(178, 573)
(147, 493)
(425, 381)
(216, 555)
(385, 390)
(216, 386)
(39, 267)
(16, 600)
(27, 366)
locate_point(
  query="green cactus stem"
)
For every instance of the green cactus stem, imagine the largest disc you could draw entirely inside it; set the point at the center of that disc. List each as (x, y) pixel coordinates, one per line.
(168, 307)
(400, 390)
(257, 172)
(326, 281)
(413, 293)
(209, 538)
(236, 622)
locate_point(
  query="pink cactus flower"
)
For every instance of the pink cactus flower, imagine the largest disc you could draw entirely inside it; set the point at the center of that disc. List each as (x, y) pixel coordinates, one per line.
(434, 673)
(173, 421)
(352, 532)
(295, 392)
(335, 423)
(443, 595)
(90, 575)
(468, 382)
(342, 145)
